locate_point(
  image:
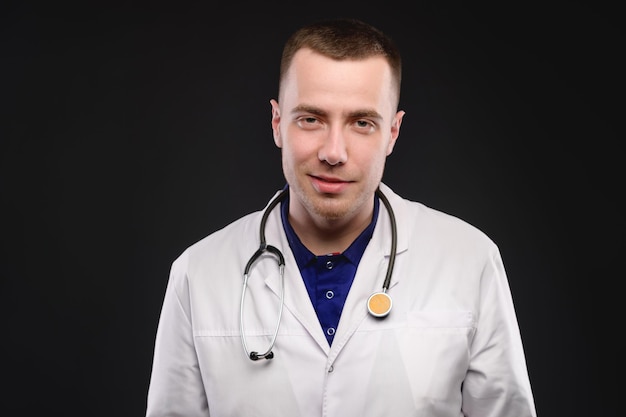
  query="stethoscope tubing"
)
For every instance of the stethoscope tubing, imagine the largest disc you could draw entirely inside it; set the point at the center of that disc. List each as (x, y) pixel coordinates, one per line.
(394, 239)
(264, 247)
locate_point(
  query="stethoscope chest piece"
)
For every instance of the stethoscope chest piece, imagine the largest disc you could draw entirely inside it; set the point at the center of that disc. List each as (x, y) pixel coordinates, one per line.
(379, 304)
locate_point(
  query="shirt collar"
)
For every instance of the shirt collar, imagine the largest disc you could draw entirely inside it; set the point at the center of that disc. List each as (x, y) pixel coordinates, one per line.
(303, 256)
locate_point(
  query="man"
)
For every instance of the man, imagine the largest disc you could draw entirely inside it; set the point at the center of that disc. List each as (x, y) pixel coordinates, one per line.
(440, 338)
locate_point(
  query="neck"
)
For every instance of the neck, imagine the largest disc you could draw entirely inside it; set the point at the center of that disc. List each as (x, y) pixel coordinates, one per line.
(324, 236)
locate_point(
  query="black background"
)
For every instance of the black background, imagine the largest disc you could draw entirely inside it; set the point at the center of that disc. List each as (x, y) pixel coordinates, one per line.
(130, 131)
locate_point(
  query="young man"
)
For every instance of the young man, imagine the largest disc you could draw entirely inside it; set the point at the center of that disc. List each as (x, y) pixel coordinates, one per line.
(438, 338)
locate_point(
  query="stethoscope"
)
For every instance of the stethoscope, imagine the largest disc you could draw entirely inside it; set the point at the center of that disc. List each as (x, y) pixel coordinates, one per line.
(378, 304)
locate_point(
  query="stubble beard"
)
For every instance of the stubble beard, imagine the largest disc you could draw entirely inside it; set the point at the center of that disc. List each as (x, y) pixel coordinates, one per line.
(331, 209)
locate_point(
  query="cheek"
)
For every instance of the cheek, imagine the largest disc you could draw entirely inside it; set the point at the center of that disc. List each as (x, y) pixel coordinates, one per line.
(371, 157)
(376, 167)
(291, 156)
(299, 149)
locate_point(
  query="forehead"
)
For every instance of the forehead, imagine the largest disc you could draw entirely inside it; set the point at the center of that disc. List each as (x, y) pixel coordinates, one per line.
(315, 77)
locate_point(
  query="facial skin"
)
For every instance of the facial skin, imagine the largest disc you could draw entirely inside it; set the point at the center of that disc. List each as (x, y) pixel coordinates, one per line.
(336, 123)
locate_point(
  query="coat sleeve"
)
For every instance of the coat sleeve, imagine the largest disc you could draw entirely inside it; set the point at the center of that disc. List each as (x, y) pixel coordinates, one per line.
(497, 383)
(176, 387)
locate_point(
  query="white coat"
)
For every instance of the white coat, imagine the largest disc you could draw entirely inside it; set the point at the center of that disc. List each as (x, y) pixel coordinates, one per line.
(450, 347)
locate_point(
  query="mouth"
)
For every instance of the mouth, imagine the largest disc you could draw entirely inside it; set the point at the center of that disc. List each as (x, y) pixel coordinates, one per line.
(329, 185)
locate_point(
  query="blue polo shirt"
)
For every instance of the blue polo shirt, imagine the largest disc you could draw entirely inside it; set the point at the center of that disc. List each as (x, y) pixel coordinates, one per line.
(328, 278)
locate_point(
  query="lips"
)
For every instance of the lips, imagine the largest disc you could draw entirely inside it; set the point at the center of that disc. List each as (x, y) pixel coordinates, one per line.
(328, 185)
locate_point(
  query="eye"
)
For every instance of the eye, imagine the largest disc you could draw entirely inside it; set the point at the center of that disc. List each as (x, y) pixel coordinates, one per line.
(364, 125)
(308, 122)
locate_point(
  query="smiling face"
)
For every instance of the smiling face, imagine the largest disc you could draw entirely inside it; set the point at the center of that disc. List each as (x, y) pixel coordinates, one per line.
(336, 123)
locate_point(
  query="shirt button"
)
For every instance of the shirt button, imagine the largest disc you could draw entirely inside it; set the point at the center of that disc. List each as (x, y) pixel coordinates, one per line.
(331, 368)
(329, 294)
(329, 265)
(330, 331)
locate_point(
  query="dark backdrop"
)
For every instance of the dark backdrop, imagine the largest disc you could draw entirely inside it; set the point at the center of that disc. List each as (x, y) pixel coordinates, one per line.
(129, 132)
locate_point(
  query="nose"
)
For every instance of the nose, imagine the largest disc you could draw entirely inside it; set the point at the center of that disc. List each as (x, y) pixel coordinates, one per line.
(333, 150)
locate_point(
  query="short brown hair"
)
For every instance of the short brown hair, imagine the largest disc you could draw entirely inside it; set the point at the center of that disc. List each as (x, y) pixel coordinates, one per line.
(343, 39)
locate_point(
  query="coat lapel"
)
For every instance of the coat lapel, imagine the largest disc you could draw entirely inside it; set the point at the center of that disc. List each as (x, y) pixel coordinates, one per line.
(372, 270)
(369, 277)
(297, 300)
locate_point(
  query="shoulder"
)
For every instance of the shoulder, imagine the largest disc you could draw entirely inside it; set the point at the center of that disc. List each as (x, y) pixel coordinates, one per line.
(420, 222)
(222, 243)
(426, 216)
(238, 239)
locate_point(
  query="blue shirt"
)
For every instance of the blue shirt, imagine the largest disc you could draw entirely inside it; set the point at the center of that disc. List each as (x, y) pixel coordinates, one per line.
(328, 278)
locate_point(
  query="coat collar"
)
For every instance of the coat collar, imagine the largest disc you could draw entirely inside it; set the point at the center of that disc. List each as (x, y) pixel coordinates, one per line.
(369, 277)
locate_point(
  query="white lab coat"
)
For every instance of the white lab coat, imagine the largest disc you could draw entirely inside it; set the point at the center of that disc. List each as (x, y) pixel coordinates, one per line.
(450, 347)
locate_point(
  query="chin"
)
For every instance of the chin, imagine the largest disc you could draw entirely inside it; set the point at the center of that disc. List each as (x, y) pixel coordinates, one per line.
(331, 209)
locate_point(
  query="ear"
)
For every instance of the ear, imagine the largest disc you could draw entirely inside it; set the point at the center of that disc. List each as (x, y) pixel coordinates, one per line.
(395, 131)
(276, 123)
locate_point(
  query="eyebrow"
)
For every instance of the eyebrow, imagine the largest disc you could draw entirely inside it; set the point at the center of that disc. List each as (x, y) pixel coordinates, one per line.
(363, 113)
(304, 108)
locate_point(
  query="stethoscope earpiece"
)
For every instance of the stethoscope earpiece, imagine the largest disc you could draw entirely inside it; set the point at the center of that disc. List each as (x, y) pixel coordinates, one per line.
(255, 355)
